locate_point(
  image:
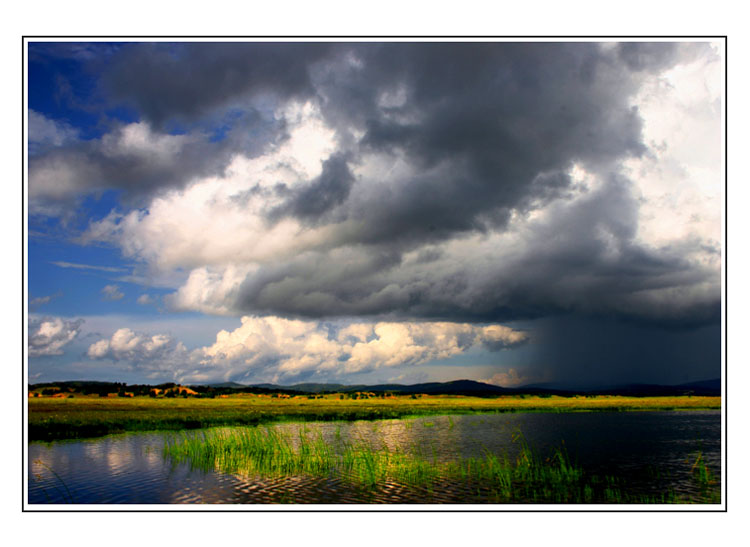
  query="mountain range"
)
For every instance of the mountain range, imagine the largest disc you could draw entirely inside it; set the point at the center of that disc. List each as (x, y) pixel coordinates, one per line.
(471, 387)
(456, 387)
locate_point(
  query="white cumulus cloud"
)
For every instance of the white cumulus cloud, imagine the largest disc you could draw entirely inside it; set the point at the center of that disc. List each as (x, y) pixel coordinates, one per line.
(278, 349)
(128, 345)
(288, 347)
(48, 336)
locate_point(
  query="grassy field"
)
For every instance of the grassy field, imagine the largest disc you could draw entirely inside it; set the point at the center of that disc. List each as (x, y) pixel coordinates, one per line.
(82, 416)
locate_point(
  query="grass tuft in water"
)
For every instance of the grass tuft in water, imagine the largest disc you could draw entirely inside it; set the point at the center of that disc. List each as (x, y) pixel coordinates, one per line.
(528, 478)
(705, 479)
(66, 496)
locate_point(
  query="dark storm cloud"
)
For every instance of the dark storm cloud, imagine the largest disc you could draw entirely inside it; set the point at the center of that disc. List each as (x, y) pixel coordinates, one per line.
(498, 113)
(651, 55)
(487, 128)
(492, 128)
(327, 191)
(583, 258)
(480, 121)
(586, 259)
(481, 132)
(141, 170)
(191, 85)
(184, 81)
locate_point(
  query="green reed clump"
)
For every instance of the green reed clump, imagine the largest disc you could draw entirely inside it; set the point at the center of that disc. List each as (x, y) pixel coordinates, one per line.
(251, 450)
(528, 478)
(705, 480)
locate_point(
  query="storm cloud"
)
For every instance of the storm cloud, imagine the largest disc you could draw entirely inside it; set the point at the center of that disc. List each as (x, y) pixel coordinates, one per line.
(188, 81)
(416, 183)
(138, 160)
(439, 145)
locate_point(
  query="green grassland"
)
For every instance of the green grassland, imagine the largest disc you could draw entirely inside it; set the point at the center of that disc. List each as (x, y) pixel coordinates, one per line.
(89, 416)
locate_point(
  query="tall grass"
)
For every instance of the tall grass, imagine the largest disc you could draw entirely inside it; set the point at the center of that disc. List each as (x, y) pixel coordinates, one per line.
(527, 478)
(705, 479)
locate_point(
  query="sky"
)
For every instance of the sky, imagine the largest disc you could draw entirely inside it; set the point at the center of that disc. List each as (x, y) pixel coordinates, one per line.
(371, 212)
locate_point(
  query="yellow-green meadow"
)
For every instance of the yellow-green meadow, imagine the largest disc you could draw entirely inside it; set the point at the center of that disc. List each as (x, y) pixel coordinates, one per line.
(85, 416)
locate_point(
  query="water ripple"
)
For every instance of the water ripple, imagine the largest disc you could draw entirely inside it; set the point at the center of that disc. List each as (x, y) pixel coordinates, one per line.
(654, 451)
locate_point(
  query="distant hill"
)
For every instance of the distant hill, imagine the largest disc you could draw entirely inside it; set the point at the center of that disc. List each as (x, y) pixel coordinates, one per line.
(314, 388)
(456, 387)
(714, 384)
(471, 387)
(701, 388)
(228, 384)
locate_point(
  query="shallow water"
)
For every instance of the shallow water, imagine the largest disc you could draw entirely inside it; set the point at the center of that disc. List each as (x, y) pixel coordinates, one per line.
(652, 452)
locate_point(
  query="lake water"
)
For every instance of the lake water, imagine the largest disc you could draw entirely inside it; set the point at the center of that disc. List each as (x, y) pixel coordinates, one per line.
(652, 452)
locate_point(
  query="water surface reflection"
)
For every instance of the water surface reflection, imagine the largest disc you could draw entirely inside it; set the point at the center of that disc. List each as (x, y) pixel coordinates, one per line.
(653, 451)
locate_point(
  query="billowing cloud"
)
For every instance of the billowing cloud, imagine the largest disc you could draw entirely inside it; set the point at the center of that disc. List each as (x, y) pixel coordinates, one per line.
(45, 133)
(579, 255)
(396, 191)
(137, 348)
(228, 96)
(138, 160)
(277, 348)
(188, 81)
(301, 345)
(49, 335)
(462, 182)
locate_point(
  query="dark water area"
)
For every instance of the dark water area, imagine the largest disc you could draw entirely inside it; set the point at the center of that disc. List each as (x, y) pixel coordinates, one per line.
(650, 453)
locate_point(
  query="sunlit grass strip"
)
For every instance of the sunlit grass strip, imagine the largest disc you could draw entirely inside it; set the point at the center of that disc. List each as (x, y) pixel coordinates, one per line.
(90, 417)
(526, 479)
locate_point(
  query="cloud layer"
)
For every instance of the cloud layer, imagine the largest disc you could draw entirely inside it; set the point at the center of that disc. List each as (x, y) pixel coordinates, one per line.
(278, 349)
(441, 181)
